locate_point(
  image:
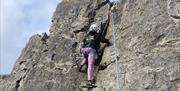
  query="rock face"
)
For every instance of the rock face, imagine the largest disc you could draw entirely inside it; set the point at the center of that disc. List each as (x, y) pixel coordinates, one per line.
(174, 8)
(147, 39)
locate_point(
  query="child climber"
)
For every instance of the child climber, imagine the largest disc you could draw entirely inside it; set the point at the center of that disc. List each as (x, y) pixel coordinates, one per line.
(89, 50)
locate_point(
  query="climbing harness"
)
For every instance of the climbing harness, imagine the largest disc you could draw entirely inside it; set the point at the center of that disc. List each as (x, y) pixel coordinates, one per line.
(117, 67)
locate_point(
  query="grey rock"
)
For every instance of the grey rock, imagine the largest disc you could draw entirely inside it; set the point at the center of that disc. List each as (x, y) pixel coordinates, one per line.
(147, 39)
(174, 8)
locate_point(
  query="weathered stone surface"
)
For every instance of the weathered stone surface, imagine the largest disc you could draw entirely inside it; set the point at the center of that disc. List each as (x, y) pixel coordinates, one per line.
(148, 42)
(147, 38)
(174, 8)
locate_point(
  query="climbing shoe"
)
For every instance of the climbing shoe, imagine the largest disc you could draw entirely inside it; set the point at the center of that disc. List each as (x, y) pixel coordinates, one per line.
(80, 68)
(90, 84)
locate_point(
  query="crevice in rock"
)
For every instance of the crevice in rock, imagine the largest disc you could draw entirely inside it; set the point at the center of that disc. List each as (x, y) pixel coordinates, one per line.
(52, 57)
(20, 63)
(104, 65)
(17, 84)
(45, 50)
(176, 17)
(173, 41)
(103, 4)
(74, 45)
(24, 69)
(19, 81)
(34, 64)
(158, 39)
(81, 30)
(104, 27)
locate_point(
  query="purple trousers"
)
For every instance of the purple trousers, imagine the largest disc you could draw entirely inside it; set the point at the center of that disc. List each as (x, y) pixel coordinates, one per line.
(91, 57)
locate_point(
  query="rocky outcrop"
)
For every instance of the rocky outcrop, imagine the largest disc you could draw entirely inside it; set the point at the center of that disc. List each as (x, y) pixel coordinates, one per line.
(174, 8)
(147, 38)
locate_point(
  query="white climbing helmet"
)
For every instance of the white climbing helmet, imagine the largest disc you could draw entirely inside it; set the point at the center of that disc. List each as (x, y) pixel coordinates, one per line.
(93, 27)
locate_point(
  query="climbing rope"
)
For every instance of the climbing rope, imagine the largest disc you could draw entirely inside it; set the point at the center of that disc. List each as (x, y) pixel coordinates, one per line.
(117, 67)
